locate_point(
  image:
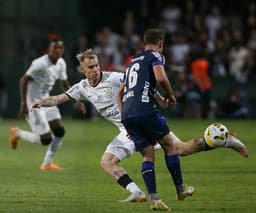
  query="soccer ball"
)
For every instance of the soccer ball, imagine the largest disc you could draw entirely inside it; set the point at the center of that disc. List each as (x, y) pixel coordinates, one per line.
(215, 135)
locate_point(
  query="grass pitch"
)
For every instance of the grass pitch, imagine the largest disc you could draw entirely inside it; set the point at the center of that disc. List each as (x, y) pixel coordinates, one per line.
(224, 180)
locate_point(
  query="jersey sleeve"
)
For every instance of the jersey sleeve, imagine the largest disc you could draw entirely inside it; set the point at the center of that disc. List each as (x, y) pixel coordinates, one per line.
(123, 79)
(63, 70)
(34, 68)
(74, 92)
(157, 59)
(116, 78)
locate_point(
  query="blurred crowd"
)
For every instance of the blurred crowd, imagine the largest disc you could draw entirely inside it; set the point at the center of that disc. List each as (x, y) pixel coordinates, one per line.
(205, 40)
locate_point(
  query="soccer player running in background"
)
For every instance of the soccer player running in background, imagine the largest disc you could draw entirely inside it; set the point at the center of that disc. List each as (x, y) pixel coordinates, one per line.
(36, 85)
(137, 100)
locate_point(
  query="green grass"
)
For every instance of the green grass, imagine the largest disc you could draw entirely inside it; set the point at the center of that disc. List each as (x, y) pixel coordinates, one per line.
(224, 180)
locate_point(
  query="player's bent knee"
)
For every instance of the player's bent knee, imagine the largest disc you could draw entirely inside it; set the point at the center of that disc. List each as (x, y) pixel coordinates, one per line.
(59, 132)
(104, 164)
(46, 141)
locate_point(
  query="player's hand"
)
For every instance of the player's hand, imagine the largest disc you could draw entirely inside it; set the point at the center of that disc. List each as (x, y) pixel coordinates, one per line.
(172, 101)
(81, 106)
(162, 101)
(35, 105)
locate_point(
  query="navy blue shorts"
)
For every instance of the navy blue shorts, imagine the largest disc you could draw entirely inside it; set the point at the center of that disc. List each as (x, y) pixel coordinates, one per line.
(146, 130)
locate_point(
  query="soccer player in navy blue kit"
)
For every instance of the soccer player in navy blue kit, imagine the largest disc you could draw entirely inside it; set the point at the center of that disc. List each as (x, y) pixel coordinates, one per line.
(142, 119)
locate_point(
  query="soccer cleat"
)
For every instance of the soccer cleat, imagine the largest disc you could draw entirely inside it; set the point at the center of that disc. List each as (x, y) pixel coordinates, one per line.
(159, 205)
(138, 197)
(51, 166)
(185, 192)
(234, 143)
(13, 138)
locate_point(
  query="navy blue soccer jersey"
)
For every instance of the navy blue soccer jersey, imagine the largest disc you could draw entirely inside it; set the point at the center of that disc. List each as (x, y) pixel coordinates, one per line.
(140, 83)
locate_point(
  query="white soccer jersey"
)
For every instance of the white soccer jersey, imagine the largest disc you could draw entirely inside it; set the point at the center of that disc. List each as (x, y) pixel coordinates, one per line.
(44, 75)
(102, 96)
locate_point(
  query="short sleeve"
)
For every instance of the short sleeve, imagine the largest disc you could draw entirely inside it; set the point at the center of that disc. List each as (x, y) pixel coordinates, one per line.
(116, 78)
(34, 68)
(74, 92)
(158, 59)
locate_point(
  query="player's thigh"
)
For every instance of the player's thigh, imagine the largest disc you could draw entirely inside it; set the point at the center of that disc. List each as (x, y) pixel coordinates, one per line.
(54, 117)
(167, 140)
(155, 126)
(146, 130)
(119, 152)
(38, 121)
(119, 149)
(122, 140)
(136, 133)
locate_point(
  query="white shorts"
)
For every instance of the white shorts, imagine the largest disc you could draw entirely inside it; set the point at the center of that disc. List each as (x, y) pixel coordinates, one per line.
(38, 119)
(121, 146)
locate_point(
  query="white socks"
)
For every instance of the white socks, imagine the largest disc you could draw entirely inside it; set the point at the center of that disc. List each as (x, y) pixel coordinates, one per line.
(132, 187)
(56, 143)
(52, 149)
(29, 136)
(35, 139)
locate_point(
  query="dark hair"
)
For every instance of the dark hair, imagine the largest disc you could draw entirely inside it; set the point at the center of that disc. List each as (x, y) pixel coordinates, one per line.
(153, 36)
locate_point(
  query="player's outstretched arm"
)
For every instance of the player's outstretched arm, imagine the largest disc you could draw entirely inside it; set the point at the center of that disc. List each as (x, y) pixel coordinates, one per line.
(51, 101)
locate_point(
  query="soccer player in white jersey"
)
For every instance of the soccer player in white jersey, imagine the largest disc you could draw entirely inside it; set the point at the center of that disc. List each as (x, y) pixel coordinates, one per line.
(35, 85)
(100, 88)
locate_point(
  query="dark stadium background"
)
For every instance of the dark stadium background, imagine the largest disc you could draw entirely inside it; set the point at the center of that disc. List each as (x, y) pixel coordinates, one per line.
(27, 25)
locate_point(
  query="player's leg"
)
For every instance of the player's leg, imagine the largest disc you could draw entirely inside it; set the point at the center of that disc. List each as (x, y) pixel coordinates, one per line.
(189, 147)
(40, 133)
(109, 163)
(173, 164)
(58, 133)
(157, 129)
(54, 118)
(148, 173)
(199, 144)
(120, 148)
(135, 128)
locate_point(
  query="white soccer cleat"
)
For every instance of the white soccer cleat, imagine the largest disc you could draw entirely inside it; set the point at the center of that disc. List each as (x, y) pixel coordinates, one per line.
(138, 197)
(234, 143)
(187, 191)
